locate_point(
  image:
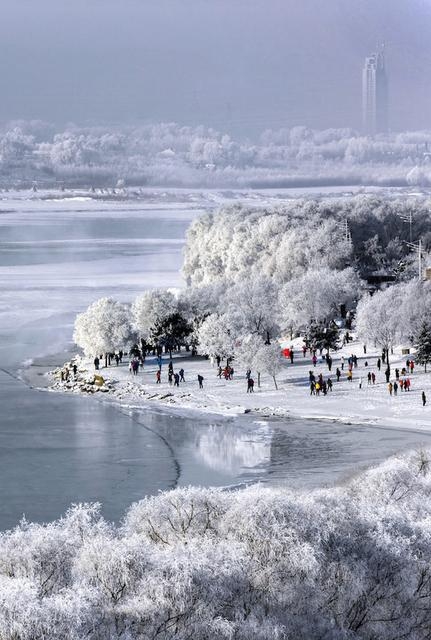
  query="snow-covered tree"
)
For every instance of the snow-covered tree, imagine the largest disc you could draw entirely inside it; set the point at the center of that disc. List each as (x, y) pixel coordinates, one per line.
(216, 337)
(379, 319)
(171, 331)
(269, 360)
(104, 327)
(251, 306)
(246, 350)
(197, 303)
(254, 564)
(159, 319)
(252, 353)
(317, 297)
(416, 307)
(151, 309)
(247, 354)
(422, 342)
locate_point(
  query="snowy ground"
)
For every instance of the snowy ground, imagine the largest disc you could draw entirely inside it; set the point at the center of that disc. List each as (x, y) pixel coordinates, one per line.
(347, 402)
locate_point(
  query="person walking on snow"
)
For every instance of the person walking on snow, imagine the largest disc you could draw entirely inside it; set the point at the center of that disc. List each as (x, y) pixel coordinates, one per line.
(424, 399)
(390, 388)
(158, 376)
(182, 375)
(201, 380)
(250, 385)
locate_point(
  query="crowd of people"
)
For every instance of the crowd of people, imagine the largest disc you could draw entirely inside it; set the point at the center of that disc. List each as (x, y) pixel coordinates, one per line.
(137, 358)
(397, 379)
(401, 381)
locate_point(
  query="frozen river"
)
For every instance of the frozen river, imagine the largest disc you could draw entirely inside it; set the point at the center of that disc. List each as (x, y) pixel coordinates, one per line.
(56, 257)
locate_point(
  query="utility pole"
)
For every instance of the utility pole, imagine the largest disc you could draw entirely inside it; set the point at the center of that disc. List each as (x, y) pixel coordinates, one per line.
(420, 258)
(408, 218)
(410, 224)
(417, 246)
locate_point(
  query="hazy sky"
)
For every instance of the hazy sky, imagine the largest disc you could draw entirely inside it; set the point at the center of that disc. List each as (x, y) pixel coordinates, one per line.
(240, 65)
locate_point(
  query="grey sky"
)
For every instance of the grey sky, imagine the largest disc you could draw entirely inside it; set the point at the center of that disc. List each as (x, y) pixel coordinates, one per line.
(240, 65)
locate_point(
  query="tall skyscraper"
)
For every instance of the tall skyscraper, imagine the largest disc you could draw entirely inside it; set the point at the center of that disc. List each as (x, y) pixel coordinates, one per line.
(375, 94)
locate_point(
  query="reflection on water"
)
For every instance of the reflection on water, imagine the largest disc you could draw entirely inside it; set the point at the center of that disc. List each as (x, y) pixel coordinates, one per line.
(228, 449)
(295, 453)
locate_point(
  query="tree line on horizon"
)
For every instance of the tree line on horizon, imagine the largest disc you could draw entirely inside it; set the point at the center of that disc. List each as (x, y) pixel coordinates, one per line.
(169, 154)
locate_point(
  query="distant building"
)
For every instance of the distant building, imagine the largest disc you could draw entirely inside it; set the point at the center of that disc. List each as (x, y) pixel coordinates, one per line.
(375, 94)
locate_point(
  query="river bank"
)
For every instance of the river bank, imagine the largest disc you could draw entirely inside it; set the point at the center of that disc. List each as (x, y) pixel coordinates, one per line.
(356, 402)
